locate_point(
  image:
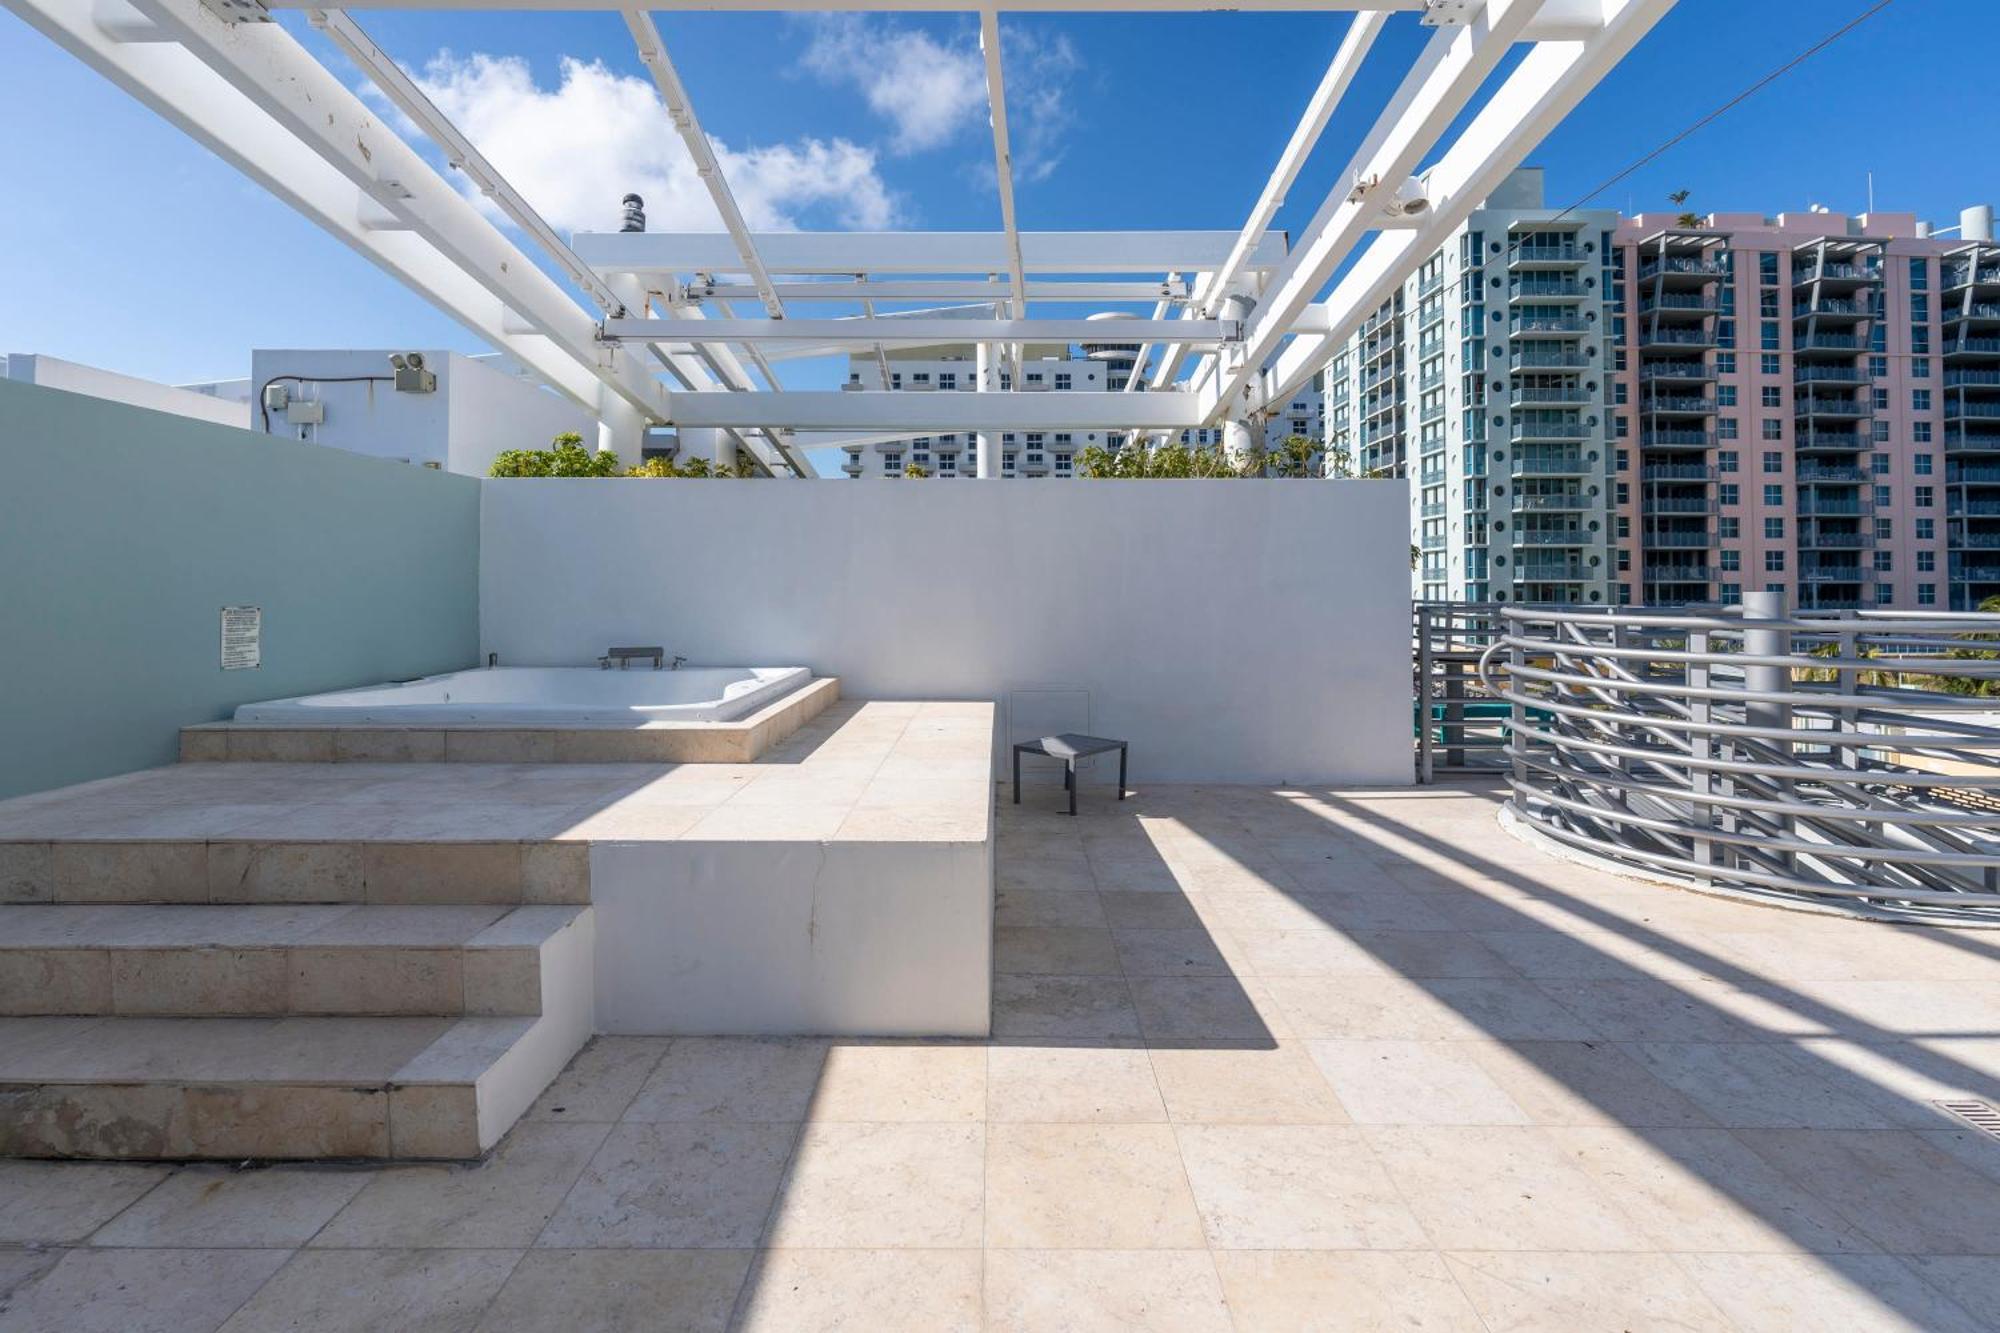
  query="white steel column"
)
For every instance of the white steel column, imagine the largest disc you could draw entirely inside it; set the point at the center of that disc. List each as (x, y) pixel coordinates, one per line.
(988, 465)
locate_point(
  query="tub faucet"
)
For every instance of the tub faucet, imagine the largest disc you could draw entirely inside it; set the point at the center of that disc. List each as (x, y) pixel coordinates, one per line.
(676, 666)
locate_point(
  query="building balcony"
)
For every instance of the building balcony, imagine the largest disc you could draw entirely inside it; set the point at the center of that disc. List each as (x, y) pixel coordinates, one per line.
(1979, 312)
(1681, 303)
(1567, 502)
(1821, 475)
(1835, 273)
(1837, 373)
(1835, 309)
(1846, 343)
(1824, 441)
(1549, 326)
(1957, 409)
(1846, 506)
(1537, 397)
(1532, 429)
(1549, 465)
(1972, 379)
(1657, 572)
(1971, 441)
(1676, 439)
(1531, 256)
(1675, 372)
(1848, 408)
(1682, 266)
(1677, 504)
(1971, 476)
(1969, 347)
(1676, 472)
(1676, 539)
(1554, 289)
(1957, 276)
(1975, 541)
(1554, 537)
(1822, 574)
(1956, 508)
(1836, 541)
(1676, 405)
(1548, 571)
(1676, 337)
(1568, 358)
(1983, 572)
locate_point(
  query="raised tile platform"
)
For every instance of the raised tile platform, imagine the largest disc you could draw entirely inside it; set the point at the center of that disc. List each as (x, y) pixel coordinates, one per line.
(738, 742)
(176, 944)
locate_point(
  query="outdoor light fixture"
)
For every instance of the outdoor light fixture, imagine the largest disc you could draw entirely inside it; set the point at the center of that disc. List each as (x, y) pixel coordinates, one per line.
(411, 377)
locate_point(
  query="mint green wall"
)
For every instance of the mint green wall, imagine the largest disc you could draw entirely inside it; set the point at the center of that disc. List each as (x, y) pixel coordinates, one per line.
(123, 532)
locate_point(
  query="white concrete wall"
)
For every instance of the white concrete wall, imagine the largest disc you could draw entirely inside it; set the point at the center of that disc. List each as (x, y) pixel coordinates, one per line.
(52, 372)
(475, 412)
(1230, 630)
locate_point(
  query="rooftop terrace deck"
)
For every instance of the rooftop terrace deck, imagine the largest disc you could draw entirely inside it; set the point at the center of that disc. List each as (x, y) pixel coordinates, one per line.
(1267, 1058)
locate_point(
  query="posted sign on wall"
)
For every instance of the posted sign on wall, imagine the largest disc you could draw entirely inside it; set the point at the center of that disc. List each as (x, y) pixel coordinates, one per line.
(242, 637)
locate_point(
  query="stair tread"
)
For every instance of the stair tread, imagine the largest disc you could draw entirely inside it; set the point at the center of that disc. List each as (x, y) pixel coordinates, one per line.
(344, 1052)
(254, 926)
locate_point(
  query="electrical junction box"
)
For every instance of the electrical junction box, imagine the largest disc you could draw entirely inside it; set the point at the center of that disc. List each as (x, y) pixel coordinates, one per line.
(304, 413)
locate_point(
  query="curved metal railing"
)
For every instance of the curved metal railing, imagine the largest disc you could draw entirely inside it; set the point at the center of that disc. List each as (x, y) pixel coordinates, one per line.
(1853, 761)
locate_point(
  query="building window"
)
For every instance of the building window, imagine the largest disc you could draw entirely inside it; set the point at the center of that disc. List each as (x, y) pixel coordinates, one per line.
(1725, 428)
(1774, 528)
(1878, 464)
(1728, 528)
(1726, 494)
(1920, 367)
(1771, 428)
(947, 379)
(1922, 496)
(1774, 396)
(1062, 379)
(1732, 560)
(1774, 495)
(1732, 594)
(1926, 562)
(1725, 460)
(1725, 395)
(1774, 562)
(1927, 594)
(1774, 461)
(1926, 529)
(1884, 562)
(1921, 464)
(1885, 529)
(1920, 400)
(1884, 496)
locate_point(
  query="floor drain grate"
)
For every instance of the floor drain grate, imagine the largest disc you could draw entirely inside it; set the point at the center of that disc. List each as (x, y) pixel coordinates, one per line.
(1980, 1115)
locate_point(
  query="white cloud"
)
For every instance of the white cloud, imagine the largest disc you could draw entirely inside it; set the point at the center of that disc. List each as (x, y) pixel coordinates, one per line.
(575, 151)
(932, 92)
(928, 91)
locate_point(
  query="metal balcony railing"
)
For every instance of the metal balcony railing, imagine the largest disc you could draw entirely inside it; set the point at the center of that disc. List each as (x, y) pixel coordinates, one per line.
(1702, 268)
(1838, 760)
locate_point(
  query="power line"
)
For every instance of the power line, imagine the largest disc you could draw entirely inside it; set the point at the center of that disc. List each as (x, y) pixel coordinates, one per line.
(1736, 101)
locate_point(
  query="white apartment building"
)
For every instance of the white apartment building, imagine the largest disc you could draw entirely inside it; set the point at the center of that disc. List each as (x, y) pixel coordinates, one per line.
(1486, 379)
(1094, 367)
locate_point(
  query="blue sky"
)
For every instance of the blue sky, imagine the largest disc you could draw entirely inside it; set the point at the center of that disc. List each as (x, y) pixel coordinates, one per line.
(130, 247)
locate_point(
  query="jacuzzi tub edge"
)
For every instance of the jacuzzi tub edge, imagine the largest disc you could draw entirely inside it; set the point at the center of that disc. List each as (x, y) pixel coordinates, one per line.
(738, 741)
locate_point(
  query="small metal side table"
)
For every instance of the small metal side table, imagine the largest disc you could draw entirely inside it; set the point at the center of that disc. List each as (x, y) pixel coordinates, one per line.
(1069, 747)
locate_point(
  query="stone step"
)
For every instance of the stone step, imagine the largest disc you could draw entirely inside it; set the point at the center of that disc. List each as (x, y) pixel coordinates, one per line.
(245, 961)
(291, 1087)
(196, 870)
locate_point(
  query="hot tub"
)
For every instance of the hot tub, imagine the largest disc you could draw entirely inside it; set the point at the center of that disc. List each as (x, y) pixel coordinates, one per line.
(541, 696)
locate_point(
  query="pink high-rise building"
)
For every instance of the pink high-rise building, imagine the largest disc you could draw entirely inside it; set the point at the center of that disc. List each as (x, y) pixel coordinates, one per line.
(1810, 404)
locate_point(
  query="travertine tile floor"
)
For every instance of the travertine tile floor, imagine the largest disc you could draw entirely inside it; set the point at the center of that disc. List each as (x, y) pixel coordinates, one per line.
(1264, 1059)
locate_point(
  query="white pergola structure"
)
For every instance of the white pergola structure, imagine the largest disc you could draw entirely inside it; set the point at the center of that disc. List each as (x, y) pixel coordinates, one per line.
(1239, 320)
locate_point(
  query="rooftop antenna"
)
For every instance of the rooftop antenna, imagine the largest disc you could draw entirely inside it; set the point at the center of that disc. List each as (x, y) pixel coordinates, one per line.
(1871, 192)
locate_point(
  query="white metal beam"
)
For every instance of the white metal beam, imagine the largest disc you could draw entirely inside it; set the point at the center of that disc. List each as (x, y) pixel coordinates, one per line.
(1003, 158)
(1094, 293)
(1444, 80)
(925, 253)
(139, 56)
(266, 66)
(1333, 85)
(935, 413)
(893, 331)
(680, 110)
(1568, 18)
(400, 89)
(1544, 88)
